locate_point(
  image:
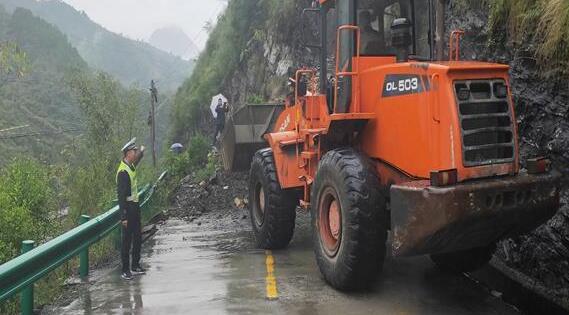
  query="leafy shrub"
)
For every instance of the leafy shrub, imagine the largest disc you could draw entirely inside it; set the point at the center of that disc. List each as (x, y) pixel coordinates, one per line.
(191, 160)
(27, 206)
(198, 151)
(209, 169)
(177, 164)
(13, 62)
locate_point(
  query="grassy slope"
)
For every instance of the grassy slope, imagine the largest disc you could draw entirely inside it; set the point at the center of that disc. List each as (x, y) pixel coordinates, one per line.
(541, 24)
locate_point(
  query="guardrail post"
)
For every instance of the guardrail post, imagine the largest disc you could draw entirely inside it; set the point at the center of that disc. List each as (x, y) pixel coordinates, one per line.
(117, 237)
(27, 295)
(84, 255)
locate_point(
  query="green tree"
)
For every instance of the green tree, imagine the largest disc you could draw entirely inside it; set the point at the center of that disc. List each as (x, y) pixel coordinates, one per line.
(14, 63)
(112, 115)
(27, 206)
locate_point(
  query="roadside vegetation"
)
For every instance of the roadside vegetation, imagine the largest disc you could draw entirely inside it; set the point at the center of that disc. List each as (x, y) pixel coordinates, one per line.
(47, 183)
(27, 205)
(197, 160)
(62, 125)
(39, 201)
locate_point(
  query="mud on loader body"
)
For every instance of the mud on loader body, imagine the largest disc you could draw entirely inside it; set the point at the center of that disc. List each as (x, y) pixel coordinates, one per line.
(427, 150)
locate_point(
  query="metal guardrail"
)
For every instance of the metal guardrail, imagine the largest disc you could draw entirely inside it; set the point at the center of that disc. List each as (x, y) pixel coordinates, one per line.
(20, 273)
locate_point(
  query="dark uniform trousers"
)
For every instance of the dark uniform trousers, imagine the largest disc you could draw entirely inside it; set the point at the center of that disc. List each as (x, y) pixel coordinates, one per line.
(218, 130)
(131, 237)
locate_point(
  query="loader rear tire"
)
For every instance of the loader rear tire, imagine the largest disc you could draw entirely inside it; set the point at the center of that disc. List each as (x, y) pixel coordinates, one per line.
(348, 220)
(464, 260)
(271, 208)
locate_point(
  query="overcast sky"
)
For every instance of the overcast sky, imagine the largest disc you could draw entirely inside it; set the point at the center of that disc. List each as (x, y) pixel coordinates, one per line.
(137, 19)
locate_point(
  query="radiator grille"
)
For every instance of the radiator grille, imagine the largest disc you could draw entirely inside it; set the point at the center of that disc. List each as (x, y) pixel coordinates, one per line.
(486, 122)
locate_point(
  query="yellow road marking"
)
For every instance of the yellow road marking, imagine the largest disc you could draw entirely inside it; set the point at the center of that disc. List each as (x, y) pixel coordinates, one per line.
(270, 279)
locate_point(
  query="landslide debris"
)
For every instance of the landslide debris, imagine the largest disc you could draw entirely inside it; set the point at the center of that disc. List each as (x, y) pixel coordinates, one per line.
(215, 198)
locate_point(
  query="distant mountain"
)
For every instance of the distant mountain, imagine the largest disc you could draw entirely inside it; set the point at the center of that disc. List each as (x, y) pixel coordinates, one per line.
(132, 62)
(40, 103)
(175, 41)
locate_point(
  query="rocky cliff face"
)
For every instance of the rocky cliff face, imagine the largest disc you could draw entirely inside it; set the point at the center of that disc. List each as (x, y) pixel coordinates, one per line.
(542, 109)
(269, 59)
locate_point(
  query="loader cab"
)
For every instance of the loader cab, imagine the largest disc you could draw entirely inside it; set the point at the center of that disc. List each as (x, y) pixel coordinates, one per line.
(379, 22)
(398, 30)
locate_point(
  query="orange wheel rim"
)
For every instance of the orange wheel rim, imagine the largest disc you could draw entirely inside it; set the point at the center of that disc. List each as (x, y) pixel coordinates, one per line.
(259, 206)
(330, 221)
(262, 200)
(334, 219)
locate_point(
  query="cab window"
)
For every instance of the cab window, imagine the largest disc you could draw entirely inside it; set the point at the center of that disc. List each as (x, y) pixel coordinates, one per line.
(375, 18)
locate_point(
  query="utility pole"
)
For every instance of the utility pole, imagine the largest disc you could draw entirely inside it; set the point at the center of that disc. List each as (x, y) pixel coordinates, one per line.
(153, 102)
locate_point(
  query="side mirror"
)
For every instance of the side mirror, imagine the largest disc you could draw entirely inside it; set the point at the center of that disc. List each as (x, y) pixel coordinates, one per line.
(312, 28)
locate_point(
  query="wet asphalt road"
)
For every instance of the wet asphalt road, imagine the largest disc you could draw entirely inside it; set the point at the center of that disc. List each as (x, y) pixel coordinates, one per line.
(214, 268)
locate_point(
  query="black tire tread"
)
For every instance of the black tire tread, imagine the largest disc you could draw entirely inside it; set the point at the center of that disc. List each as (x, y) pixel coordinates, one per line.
(280, 205)
(364, 254)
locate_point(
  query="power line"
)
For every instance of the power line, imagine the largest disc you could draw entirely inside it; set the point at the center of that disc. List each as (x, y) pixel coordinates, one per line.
(201, 31)
(14, 128)
(40, 133)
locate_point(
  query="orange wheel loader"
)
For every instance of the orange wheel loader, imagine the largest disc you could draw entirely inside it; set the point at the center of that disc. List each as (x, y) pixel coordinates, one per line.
(387, 138)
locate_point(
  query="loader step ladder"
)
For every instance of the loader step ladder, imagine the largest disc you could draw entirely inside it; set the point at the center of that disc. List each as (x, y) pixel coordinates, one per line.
(355, 66)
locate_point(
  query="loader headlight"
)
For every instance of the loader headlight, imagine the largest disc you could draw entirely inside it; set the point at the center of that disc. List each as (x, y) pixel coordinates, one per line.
(538, 165)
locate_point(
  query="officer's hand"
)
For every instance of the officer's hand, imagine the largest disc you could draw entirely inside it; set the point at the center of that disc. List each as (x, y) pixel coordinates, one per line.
(142, 148)
(124, 223)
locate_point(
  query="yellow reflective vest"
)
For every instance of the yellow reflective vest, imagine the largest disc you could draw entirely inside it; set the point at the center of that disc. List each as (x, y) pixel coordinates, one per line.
(133, 184)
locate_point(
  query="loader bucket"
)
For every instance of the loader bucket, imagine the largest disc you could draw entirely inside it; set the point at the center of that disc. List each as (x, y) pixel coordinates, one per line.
(243, 134)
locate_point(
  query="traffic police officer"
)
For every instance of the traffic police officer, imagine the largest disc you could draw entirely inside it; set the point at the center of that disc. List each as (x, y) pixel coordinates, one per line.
(127, 193)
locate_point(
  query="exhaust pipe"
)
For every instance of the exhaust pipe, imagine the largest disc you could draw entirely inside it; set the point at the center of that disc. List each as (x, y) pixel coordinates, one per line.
(440, 28)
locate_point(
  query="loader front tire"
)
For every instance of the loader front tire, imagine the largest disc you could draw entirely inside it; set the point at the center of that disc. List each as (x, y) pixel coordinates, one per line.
(271, 208)
(348, 220)
(464, 260)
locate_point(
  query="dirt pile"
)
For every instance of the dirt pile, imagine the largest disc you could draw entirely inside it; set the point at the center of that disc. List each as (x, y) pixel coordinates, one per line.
(216, 197)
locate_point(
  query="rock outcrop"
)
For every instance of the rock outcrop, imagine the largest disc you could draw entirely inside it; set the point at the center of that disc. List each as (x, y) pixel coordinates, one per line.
(542, 109)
